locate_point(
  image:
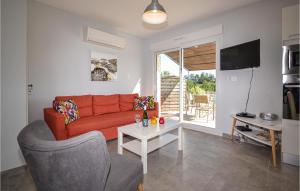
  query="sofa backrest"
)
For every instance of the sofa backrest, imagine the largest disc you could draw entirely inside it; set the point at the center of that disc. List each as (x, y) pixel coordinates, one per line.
(127, 101)
(89, 105)
(84, 103)
(103, 104)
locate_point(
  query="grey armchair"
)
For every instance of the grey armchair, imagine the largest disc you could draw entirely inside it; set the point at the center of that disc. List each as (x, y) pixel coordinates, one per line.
(78, 164)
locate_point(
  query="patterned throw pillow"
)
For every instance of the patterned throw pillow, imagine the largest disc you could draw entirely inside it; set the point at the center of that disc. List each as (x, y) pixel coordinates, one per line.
(68, 108)
(142, 101)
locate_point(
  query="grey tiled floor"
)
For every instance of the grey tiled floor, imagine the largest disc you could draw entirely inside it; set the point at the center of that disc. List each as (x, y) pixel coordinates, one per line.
(208, 163)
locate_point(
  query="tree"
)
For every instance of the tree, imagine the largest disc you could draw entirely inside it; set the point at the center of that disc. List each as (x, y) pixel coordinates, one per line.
(208, 86)
(165, 73)
(198, 84)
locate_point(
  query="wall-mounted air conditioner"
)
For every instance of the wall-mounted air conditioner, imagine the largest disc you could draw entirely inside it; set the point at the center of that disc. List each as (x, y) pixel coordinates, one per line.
(97, 36)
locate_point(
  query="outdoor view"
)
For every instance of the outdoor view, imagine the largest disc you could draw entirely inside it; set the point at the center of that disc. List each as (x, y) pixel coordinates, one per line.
(199, 105)
(199, 86)
(202, 83)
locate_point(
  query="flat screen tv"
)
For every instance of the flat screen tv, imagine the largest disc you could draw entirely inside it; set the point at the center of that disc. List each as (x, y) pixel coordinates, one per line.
(246, 55)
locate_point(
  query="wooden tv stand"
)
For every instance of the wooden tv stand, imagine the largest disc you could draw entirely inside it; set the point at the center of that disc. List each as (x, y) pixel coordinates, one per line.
(273, 127)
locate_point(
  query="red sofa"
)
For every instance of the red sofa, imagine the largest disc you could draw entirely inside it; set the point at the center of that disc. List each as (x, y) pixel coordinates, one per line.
(97, 112)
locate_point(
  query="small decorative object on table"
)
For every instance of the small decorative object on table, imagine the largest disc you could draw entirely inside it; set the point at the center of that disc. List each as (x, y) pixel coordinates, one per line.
(145, 117)
(161, 120)
(153, 121)
(268, 116)
(137, 119)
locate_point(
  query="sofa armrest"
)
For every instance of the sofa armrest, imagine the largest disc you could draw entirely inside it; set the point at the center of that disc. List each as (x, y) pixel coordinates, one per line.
(56, 122)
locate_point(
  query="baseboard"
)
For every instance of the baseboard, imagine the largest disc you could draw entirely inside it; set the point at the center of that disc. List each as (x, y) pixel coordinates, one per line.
(290, 159)
(228, 136)
(200, 128)
(13, 169)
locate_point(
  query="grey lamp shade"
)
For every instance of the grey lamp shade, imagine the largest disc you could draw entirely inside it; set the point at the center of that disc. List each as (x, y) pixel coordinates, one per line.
(154, 5)
(155, 13)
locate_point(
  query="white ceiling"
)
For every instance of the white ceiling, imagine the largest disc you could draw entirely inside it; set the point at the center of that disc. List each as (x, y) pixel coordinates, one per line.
(125, 15)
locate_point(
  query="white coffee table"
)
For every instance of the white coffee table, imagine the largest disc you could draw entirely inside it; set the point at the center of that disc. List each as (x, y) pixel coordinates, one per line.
(142, 145)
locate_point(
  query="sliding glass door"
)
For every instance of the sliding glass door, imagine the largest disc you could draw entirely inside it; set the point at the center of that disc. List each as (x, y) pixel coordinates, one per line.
(168, 83)
(186, 84)
(199, 73)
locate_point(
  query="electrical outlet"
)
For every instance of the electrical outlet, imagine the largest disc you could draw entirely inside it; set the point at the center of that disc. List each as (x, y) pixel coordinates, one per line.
(29, 89)
(233, 78)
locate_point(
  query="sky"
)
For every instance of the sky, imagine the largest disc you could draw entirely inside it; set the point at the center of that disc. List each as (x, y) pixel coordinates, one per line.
(169, 65)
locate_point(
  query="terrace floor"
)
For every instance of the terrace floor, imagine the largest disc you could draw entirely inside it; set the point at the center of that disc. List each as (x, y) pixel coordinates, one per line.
(190, 117)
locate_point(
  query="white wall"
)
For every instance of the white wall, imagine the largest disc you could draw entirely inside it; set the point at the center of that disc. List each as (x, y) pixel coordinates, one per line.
(261, 20)
(13, 80)
(58, 58)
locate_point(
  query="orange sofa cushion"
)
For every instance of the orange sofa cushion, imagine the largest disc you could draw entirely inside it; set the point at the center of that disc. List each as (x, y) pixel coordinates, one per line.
(103, 122)
(103, 104)
(84, 103)
(127, 101)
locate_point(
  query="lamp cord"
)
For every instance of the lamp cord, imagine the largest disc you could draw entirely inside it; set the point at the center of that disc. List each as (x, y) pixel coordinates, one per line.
(249, 89)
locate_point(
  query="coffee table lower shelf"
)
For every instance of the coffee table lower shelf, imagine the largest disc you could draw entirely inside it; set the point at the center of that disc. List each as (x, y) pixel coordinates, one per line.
(156, 143)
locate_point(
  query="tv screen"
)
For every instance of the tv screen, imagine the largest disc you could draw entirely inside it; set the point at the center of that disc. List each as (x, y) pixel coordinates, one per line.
(246, 55)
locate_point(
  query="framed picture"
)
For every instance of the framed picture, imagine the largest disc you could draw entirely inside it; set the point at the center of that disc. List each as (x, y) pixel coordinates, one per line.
(104, 66)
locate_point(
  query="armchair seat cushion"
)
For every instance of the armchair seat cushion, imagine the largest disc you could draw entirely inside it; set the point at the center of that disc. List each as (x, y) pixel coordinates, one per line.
(124, 173)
